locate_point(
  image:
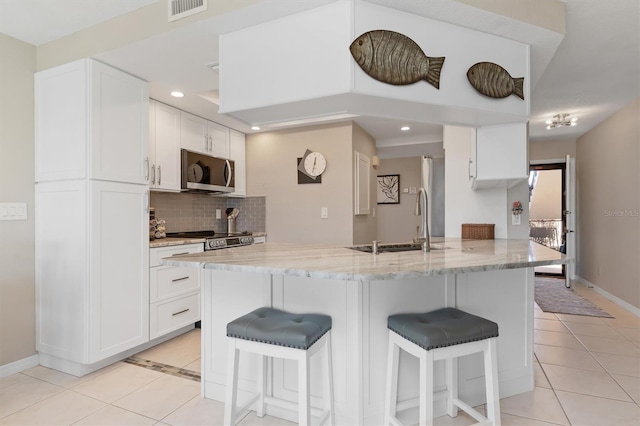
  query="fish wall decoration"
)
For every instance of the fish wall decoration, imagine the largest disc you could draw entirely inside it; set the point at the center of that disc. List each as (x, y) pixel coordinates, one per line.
(394, 58)
(494, 81)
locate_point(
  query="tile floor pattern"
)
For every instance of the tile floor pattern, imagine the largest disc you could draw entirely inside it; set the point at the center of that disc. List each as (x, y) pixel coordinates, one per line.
(587, 373)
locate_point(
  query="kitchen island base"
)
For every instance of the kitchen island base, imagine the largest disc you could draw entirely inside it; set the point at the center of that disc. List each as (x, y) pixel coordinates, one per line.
(359, 311)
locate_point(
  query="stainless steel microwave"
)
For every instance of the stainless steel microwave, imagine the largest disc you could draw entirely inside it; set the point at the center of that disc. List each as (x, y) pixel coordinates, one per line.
(203, 173)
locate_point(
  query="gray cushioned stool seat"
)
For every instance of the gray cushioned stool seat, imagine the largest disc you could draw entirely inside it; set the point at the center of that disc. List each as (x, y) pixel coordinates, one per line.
(268, 325)
(444, 327)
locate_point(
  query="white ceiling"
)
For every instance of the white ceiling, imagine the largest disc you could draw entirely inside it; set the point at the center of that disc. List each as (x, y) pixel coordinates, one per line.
(594, 72)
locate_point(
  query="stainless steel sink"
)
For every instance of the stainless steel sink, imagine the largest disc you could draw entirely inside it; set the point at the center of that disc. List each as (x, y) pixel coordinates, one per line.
(390, 248)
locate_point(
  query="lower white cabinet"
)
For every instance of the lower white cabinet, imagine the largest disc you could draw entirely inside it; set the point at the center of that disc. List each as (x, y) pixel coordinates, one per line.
(92, 269)
(174, 292)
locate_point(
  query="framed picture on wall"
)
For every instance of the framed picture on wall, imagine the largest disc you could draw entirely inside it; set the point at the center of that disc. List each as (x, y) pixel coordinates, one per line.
(388, 190)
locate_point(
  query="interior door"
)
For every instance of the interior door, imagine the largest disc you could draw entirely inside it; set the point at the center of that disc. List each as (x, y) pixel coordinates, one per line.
(570, 218)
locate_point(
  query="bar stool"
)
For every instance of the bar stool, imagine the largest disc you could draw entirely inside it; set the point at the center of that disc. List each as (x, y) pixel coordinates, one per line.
(447, 334)
(270, 332)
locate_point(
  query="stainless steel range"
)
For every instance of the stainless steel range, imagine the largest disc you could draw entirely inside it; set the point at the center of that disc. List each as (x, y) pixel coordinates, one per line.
(215, 241)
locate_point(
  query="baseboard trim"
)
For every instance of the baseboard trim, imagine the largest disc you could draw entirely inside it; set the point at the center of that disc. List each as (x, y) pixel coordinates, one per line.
(629, 307)
(19, 365)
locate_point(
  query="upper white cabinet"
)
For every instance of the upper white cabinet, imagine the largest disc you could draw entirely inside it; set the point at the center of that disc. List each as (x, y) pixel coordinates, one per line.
(499, 156)
(362, 168)
(164, 147)
(203, 136)
(237, 153)
(91, 122)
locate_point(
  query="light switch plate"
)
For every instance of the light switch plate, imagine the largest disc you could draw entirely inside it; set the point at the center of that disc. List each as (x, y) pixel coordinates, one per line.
(324, 213)
(515, 219)
(13, 211)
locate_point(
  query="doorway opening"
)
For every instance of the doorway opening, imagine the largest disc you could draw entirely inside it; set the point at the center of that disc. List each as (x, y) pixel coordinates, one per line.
(547, 207)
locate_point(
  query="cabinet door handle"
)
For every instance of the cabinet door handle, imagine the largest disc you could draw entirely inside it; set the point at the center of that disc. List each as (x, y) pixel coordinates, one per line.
(181, 312)
(153, 174)
(146, 203)
(469, 168)
(146, 168)
(210, 143)
(159, 176)
(179, 279)
(178, 254)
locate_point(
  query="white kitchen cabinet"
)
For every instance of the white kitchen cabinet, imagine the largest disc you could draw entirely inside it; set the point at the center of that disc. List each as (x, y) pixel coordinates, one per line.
(361, 183)
(174, 292)
(237, 153)
(91, 121)
(164, 147)
(219, 140)
(92, 271)
(499, 156)
(203, 136)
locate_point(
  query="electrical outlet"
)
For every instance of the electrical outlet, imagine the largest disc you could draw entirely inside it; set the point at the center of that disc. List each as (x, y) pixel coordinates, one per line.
(218, 214)
(413, 190)
(324, 213)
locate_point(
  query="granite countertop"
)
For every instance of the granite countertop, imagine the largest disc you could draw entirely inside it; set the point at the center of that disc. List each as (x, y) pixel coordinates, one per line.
(172, 241)
(338, 262)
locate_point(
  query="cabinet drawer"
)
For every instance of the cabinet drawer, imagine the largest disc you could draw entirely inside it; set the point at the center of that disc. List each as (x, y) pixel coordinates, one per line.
(173, 314)
(166, 282)
(157, 253)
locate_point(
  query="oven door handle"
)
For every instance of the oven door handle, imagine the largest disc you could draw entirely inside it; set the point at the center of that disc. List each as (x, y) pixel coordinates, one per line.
(227, 171)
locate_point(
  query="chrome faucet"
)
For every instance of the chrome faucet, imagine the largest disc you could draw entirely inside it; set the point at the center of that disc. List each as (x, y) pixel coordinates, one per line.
(421, 209)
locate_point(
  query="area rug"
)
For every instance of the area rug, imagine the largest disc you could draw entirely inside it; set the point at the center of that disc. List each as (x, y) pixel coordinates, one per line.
(552, 296)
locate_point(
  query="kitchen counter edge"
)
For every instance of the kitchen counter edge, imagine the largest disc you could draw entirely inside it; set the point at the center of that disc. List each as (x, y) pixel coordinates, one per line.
(342, 263)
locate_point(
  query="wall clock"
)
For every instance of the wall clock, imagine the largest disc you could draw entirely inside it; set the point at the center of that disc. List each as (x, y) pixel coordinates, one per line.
(311, 166)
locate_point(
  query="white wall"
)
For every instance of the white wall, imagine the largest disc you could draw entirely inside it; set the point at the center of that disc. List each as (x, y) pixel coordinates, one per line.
(462, 204)
(17, 261)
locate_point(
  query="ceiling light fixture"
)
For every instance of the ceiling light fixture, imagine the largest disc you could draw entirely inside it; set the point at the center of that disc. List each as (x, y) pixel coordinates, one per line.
(255, 127)
(405, 128)
(561, 120)
(177, 94)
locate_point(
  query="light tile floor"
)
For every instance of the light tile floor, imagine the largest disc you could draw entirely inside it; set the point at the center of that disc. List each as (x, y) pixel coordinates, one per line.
(587, 373)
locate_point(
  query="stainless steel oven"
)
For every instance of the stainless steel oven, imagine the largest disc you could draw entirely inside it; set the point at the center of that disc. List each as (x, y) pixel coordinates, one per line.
(215, 241)
(203, 173)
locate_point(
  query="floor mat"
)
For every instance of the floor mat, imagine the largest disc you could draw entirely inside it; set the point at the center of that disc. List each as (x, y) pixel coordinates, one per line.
(552, 296)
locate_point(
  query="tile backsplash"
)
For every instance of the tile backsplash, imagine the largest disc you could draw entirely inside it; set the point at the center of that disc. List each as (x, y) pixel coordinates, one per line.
(197, 212)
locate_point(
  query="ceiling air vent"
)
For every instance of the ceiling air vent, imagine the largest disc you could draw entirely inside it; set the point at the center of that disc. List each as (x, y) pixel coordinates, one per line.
(179, 9)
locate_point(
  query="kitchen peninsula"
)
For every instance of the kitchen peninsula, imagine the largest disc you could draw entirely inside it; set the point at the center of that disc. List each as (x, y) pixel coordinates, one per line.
(490, 278)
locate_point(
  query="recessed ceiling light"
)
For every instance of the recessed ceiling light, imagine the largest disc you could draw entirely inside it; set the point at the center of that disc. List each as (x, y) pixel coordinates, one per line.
(255, 127)
(405, 128)
(177, 94)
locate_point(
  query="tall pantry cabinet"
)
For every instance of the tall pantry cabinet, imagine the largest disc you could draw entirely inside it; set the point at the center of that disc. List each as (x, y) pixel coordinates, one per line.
(92, 214)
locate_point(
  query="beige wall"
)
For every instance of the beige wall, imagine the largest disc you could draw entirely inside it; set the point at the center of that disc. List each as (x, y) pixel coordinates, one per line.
(397, 222)
(17, 264)
(556, 149)
(292, 209)
(608, 198)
